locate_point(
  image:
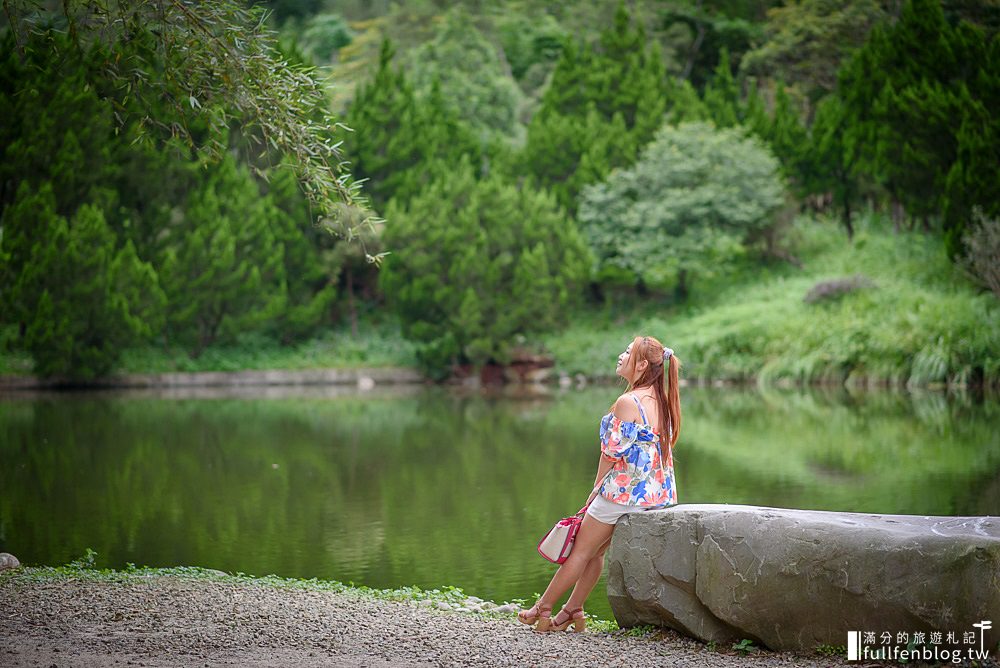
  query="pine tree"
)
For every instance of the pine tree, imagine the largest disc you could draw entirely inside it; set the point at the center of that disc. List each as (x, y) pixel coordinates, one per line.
(402, 135)
(310, 283)
(80, 296)
(223, 271)
(622, 78)
(755, 116)
(26, 226)
(486, 261)
(972, 180)
(56, 129)
(631, 78)
(907, 95)
(722, 97)
(683, 103)
(608, 145)
(829, 162)
(788, 137)
(552, 154)
(571, 87)
(782, 130)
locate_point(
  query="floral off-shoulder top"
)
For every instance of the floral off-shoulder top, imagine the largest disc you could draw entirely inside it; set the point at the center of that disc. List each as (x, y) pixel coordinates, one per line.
(640, 475)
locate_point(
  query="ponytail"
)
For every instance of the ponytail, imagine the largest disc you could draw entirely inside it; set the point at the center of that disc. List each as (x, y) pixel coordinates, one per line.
(673, 398)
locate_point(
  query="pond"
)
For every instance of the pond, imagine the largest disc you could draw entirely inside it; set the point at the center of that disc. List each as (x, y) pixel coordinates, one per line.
(437, 487)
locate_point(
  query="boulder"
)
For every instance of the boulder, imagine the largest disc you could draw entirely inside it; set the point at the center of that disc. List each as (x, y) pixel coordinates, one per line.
(8, 561)
(794, 579)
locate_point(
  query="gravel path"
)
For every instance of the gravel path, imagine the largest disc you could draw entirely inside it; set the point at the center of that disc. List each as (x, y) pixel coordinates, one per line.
(178, 621)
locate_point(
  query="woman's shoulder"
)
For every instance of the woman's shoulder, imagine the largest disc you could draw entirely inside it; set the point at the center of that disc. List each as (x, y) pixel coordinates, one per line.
(625, 409)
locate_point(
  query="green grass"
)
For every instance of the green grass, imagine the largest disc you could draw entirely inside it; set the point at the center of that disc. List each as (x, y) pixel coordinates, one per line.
(922, 323)
(375, 346)
(378, 344)
(831, 650)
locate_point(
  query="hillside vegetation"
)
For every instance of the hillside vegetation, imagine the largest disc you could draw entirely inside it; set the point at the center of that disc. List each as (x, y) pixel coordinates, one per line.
(523, 176)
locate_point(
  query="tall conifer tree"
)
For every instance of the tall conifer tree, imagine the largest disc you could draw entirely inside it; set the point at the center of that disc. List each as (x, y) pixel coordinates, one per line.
(722, 97)
(909, 95)
(622, 78)
(401, 136)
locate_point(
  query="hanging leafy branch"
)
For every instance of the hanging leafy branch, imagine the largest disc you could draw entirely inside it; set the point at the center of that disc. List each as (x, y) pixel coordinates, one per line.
(185, 70)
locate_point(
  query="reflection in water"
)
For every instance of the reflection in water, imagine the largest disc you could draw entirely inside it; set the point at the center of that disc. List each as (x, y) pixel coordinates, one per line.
(431, 487)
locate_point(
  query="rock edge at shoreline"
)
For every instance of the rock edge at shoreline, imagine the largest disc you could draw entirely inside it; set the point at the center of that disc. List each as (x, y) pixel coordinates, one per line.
(369, 378)
(364, 378)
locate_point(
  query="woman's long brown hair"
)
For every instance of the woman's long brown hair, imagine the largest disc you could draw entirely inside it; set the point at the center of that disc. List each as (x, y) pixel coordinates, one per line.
(668, 397)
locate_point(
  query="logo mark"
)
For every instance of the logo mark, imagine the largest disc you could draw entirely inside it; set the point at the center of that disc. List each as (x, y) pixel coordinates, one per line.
(903, 646)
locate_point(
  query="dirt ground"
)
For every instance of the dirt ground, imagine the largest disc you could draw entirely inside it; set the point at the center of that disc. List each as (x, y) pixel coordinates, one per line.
(177, 621)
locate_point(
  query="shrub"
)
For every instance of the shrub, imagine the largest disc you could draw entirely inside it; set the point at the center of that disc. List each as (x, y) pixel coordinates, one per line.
(688, 208)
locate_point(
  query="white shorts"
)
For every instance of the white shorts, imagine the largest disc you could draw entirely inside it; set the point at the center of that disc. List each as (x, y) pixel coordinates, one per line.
(608, 512)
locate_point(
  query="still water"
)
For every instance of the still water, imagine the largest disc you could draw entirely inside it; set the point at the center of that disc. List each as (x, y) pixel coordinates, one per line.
(433, 487)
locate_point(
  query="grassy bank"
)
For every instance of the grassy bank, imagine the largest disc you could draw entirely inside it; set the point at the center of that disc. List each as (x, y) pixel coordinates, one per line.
(920, 322)
(376, 345)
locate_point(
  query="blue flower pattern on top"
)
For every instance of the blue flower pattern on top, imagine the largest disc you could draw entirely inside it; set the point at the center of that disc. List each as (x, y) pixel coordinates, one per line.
(642, 475)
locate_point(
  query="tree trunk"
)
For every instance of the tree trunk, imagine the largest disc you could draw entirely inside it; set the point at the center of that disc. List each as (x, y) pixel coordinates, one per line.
(641, 288)
(350, 303)
(846, 205)
(681, 291)
(695, 46)
(897, 213)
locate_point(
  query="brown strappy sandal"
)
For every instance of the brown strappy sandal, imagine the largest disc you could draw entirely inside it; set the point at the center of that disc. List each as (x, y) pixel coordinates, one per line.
(576, 617)
(541, 614)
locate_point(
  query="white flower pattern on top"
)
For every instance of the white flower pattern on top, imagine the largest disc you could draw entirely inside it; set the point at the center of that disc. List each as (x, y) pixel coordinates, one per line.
(641, 477)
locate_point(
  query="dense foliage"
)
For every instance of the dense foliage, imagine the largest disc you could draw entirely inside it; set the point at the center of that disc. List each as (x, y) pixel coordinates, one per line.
(404, 135)
(485, 262)
(695, 200)
(922, 97)
(190, 69)
(679, 138)
(469, 76)
(603, 103)
(109, 241)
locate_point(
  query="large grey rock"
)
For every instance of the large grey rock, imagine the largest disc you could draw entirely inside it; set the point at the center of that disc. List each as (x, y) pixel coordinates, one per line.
(794, 579)
(8, 560)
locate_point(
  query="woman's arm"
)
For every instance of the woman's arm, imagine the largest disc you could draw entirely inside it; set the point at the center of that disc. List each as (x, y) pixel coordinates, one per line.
(603, 466)
(620, 430)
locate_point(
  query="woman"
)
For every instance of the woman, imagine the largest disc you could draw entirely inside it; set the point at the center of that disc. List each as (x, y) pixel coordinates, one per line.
(635, 474)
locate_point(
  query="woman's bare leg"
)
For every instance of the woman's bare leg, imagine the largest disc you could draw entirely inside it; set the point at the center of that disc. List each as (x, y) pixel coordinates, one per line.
(588, 580)
(589, 541)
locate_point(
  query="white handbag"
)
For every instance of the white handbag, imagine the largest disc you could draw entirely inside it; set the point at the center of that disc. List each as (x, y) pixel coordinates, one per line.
(557, 543)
